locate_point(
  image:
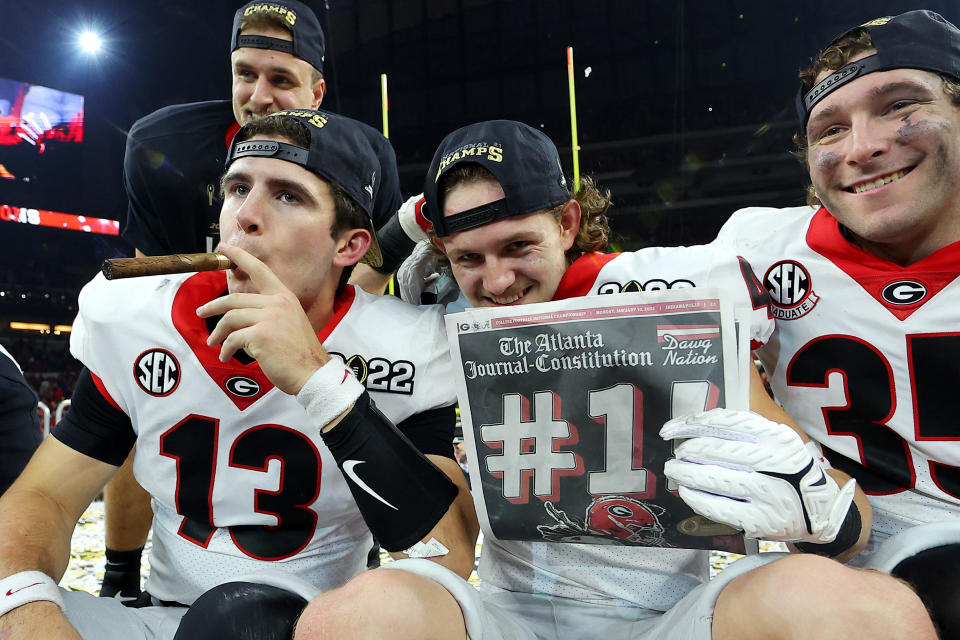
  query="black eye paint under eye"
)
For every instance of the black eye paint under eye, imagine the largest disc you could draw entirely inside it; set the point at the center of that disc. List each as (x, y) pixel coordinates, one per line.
(825, 160)
(913, 130)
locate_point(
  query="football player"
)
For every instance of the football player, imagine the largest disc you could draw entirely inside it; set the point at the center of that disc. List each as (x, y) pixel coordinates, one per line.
(514, 234)
(234, 387)
(172, 165)
(864, 282)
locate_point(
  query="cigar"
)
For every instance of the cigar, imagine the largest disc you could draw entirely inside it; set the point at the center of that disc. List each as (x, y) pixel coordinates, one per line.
(159, 265)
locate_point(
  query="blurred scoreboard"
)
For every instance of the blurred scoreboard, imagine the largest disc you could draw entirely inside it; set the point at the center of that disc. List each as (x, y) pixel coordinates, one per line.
(41, 146)
(58, 220)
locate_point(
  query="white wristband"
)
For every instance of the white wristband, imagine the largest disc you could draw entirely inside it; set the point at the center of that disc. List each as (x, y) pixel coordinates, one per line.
(26, 587)
(329, 392)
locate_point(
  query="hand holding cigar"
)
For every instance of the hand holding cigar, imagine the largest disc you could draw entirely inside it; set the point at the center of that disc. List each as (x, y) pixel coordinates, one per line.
(115, 268)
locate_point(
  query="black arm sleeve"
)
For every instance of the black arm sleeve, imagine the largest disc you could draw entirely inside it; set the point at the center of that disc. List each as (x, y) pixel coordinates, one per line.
(94, 426)
(400, 493)
(395, 245)
(432, 431)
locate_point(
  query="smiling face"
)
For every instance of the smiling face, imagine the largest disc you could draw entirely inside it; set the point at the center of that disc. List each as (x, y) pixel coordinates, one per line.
(282, 213)
(516, 260)
(884, 158)
(266, 81)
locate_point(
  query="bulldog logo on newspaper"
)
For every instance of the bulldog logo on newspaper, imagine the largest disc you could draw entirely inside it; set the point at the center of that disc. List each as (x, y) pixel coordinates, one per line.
(612, 519)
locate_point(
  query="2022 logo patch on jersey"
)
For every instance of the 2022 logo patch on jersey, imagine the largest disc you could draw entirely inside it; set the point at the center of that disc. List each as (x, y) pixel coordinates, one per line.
(157, 372)
(380, 374)
(656, 284)
(791, 290)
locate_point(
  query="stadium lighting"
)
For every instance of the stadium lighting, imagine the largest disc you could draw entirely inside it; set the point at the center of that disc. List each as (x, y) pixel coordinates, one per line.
(90, 42)
(30, 326)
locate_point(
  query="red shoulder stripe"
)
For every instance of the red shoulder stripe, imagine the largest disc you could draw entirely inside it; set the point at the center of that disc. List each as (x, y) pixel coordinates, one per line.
(103, 391)
(581, 275)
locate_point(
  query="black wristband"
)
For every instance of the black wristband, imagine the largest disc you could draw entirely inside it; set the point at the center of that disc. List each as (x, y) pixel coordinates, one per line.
(847, 536)
(400, 493)
(395, 245)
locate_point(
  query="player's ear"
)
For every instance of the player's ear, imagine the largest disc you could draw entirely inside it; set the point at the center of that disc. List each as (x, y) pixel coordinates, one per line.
(352, 245)
(319, 89)
(569, 223)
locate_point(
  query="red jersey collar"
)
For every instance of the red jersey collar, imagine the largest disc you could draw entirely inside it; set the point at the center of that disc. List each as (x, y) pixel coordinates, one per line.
(874, 273)
(205, 286)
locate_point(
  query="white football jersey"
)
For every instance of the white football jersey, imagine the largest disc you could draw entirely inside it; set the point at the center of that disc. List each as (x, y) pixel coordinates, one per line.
(240, 479)
(654, 578)
(864, 357)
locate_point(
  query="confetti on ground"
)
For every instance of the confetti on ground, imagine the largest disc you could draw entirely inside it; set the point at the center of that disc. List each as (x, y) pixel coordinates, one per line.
(85, 571)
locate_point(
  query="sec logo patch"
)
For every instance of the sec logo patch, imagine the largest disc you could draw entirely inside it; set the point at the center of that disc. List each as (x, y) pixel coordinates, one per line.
(157, 372)
(791, 290)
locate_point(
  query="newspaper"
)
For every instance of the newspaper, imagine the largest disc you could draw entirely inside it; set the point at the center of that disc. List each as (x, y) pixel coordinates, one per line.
(562, 402)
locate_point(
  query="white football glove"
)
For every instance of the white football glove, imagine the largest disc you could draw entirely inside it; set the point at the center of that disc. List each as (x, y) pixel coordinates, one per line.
(398, 235)
(412, 219)
(742, 469)
(421, 273)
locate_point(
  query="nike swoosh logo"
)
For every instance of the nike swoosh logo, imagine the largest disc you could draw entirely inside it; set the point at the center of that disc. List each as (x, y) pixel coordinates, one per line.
(348, 468)
(122, 598)
(822, 480)
(10, 592)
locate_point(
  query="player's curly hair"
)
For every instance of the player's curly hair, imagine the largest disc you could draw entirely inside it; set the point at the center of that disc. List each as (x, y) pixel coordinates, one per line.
(594, 233)
(834, 57)
(348, 214)
(267, 20)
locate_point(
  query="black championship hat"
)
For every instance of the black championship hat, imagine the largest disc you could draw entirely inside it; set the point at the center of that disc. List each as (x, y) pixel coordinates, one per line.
(523, 160)
(307, 42)
(339, 153)
(912, 40)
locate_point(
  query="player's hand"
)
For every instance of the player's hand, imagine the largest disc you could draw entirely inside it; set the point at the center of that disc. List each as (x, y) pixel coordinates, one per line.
(37, 620)
(125, 587)
(421, 274)
(269, 324)
(742, 469)
(401, 232)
